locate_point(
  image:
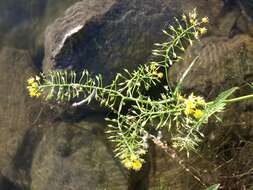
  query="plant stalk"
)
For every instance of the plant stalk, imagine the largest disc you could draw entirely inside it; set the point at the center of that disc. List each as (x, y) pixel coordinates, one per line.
(239, 99)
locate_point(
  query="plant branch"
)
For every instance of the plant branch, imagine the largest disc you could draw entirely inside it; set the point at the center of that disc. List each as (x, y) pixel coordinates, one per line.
(239, 99)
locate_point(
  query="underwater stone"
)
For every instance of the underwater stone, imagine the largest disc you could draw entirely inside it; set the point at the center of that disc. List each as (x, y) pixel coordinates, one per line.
(223, 63)
(18, 112)
(63, 34)
(106, 36)
(76, 156)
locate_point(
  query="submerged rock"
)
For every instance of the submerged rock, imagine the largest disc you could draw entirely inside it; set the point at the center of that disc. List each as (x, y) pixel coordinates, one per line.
(76, 156)
(104, 36)
(223, 63)
(247, 6)
(39, 154)
(18, 112)
(61, 36)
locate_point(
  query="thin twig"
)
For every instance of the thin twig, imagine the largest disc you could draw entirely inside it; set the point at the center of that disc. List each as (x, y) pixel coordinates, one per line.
(173, 154)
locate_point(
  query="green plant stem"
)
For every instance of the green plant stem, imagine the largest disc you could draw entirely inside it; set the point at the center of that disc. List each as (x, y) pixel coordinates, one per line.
(229, 101)
(181, 35)
(239, 99)
(107, 90)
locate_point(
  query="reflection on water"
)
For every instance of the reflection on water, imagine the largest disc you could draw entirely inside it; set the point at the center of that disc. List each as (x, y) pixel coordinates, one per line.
(22, 22)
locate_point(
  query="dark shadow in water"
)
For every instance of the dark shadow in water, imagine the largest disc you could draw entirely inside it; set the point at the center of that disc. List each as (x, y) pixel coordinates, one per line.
(38, 57)
(6, 184)
(24, 156)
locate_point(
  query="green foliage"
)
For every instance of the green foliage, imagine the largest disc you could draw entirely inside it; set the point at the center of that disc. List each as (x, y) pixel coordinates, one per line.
(64, 86)
(136, 114)
(214, 187)
(216, 106)
(179, 37)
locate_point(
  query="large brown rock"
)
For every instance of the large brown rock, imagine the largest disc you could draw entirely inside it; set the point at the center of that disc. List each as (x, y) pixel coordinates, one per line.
(223, 63)
(76, 156)
(104, 36)
(61, 36)
(37, 156)
(18, 112)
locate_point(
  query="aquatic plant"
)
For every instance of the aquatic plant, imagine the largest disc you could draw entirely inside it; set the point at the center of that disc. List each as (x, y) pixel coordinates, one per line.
(136, 116)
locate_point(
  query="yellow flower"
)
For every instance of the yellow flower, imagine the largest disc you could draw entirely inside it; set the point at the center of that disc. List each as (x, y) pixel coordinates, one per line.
(188, 111)
(153, 66)
(202, 30)
(136, 165)
(30, 80)
(133, 157)
(198, 114)
(193, 15)
(180, 98)
(205, 19)
(192, 21)
(33, 87)
(154, 72)
(160, 75)
(128, 164)
(33, 92)
(183, 17)
(190, 103)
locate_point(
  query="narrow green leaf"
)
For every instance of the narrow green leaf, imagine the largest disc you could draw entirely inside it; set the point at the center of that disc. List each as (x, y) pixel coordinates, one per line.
(213, 187)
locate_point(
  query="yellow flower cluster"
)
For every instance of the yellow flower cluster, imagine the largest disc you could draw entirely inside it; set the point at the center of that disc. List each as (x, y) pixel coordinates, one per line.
(202, 30)
(205, 20)
(192, 104)
(33, 86)
(193, 16)
(194, 21)
(133, 163)
(154, 68)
